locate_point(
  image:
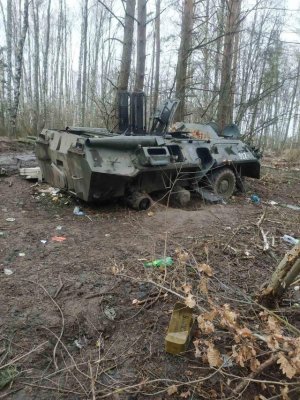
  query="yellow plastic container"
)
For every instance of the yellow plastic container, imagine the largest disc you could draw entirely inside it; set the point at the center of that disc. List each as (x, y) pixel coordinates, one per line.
(179, 330)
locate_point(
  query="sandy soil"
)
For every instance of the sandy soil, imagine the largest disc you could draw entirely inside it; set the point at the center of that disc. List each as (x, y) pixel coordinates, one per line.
(81, 290)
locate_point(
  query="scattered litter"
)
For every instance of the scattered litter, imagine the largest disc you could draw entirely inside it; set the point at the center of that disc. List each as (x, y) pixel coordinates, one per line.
(2, 234)
(255, 199)
(81, 342)
(31, 173)
(78, 212)
(58, 238)
(51, 190)
(161, 262)
(178, 335)
(150, 213)
(290, 239)
(4, 209)
(291, 206)
(59, 228)
(272, 203)
(10, 219)
(296, 288)
(8, 271)
(110, 312)
(21, 254)
(43, 241)
(227, 361)
(107, 235)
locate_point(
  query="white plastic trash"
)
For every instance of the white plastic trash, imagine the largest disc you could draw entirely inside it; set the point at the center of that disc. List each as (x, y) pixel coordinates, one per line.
(290, 239)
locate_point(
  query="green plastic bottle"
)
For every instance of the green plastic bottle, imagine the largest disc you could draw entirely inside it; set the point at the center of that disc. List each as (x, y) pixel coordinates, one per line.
(161, 262)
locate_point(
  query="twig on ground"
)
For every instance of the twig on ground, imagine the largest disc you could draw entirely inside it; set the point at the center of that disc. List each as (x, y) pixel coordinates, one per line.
(265, 239)
(61, 285)
(18, 358)
(62, 319)
(242, 385)
(92, 381)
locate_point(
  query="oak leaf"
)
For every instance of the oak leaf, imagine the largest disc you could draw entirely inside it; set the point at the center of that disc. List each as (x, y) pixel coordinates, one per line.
(186, 288)
(284, 393)
(213, 355)
(171, 390)
(206, 269)
(206, 327)
(203, 285)
(185, 395)
(190, 301)
(286, 367)
(196, 344)
(210, 315)
(228, 317)
(254, 364)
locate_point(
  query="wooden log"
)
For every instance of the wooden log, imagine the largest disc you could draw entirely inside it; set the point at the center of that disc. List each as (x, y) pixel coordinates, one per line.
(283, 276)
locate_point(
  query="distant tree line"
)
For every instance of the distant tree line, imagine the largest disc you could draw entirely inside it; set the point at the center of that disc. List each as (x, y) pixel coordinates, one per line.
(224, 59)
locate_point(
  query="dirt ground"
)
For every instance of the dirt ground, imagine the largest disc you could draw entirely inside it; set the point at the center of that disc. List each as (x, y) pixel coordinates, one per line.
(68, 320)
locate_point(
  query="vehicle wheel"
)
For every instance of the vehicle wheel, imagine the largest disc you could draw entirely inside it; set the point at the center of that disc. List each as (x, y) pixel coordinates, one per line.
(180, 197)
(223, 182)
(139, 201)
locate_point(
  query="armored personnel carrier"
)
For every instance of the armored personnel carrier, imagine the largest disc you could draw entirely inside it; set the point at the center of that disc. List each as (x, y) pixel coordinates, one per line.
(133, 162)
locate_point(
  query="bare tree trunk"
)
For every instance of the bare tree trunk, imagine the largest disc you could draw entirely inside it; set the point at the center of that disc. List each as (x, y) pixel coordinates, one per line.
(9, 57)
(45, 65)
(18, 71)
(84, 70)
(291, 110)
(225, 109)
(35, 11)
(141, 46)
(157, 56)
(183, 56)
(127, 45)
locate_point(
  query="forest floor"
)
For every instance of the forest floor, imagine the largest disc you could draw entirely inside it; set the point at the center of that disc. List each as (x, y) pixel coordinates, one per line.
(70, 323)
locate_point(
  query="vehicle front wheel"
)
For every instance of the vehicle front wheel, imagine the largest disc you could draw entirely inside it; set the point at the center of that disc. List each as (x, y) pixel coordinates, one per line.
(223, 182)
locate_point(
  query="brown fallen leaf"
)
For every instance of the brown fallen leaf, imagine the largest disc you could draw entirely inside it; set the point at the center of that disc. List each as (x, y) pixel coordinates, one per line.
(206, 269)
(213, 355)
(185, 395)
(171, 390)
(206, 326)
(196, 344)
(190, 301)
(186, 288)
(203, 285)
(286, 367)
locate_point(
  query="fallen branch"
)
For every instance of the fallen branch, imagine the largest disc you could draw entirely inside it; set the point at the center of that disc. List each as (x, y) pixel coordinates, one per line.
(284, 275)
(18, 358)
(242, 385)
(265, 239)
(62, 319)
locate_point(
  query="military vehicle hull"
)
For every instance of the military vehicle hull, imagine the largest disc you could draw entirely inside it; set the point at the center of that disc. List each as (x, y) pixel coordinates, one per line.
(97, 165)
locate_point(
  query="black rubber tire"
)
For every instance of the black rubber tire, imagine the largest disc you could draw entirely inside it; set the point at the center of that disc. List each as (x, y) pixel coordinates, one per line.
(180, 197)
(223, 182)
(139, 201)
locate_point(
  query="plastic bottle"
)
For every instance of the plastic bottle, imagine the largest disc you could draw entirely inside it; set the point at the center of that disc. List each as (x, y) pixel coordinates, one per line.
(161, 262)
(290, 239)
(255, 199)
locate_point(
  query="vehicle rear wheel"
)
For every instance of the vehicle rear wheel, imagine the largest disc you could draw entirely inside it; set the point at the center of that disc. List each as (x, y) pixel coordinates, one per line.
(139, 201)
(223, 182)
